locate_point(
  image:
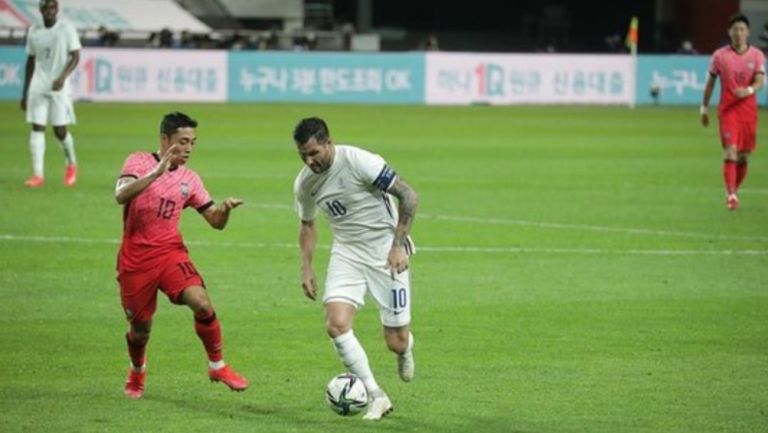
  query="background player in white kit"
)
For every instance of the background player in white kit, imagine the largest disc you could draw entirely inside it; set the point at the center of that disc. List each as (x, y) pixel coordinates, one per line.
(370, 249)
(53, 50)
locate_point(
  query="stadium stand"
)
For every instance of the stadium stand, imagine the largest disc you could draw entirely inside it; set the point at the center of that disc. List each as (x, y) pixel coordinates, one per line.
(226, 24)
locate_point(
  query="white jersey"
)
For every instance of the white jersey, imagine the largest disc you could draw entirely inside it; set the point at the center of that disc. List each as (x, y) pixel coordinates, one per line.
(353, 195)
(51, 48)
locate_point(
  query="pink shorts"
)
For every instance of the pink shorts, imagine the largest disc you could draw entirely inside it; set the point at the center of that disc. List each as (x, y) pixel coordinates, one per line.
(138, 289)
(738, 133)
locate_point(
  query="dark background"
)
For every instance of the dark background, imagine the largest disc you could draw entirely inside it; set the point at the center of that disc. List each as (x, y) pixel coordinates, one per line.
(546, 25)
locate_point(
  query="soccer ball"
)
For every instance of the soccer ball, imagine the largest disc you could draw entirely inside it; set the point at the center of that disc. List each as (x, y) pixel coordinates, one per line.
(346, 394)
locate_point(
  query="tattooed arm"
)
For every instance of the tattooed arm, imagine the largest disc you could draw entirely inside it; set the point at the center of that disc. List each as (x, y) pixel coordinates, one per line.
(408, 201)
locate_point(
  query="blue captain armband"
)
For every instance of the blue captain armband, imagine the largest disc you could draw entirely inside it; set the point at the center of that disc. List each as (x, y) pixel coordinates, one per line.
(385, 178)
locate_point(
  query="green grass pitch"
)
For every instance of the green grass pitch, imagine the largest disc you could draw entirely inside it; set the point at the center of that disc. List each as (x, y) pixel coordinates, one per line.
(578, 272)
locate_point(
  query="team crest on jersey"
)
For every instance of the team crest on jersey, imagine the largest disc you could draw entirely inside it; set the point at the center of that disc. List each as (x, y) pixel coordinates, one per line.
(184, 190)
(751, 65)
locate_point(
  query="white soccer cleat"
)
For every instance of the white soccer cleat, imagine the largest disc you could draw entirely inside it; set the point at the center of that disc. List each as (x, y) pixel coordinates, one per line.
(406, 366)
(379, 406)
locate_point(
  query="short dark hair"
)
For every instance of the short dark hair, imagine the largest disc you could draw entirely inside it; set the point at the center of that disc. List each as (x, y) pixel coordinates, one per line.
(738, 18)
(173, 121)
(311, 127)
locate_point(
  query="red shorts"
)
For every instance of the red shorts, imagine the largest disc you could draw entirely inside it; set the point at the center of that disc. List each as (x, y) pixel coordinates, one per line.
(739, 133)
(138, 289)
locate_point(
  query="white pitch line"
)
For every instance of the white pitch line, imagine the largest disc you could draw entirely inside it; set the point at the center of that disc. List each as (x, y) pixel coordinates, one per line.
(627, 230)
(267, 205)
(754, 191)
(563, 226)
(595, 251)
(456, 249)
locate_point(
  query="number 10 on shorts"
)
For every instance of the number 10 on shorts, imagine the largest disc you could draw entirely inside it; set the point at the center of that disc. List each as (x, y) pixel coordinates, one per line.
(399, 298)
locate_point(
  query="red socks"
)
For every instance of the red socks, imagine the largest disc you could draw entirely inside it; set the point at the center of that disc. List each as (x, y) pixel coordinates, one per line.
(136, 349)
(207, 328)
(741, 172)
(209, 331)
(729, 175)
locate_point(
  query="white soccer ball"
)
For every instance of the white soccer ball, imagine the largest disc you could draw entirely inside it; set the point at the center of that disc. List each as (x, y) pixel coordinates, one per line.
(346, 394)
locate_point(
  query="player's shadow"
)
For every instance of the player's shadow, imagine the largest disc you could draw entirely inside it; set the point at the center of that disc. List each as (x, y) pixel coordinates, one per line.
(248, 410)
(458, 423)
(300, 417)
(219, 408)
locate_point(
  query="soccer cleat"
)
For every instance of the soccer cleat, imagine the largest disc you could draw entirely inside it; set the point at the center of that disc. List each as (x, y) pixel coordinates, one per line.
(732, 202)
(34, 181)
(70, 175)
(134, 385)
(378, 407)
(406, 366)
(229, 377)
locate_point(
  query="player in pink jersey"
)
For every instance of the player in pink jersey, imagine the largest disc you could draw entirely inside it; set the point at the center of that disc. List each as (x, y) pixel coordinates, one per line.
(154, 188)
(741, 69)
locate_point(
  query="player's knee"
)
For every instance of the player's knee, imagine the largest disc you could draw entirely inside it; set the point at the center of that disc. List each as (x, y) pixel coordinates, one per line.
(140, 338)
(730, 153)
(335, 327)
(202, 308)
(196, 299)
(139, 334)
(60, 131)
(38, 128)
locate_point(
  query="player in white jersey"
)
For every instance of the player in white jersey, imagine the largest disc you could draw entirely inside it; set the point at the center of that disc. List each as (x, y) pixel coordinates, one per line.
(53, 51)
(370, 248)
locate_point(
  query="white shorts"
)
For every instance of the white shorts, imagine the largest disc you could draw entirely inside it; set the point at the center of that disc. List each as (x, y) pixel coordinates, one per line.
(348, 281)
(54, 108)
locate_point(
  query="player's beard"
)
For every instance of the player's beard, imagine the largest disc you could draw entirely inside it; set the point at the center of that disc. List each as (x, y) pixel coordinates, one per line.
(323, 165)
(320, 167)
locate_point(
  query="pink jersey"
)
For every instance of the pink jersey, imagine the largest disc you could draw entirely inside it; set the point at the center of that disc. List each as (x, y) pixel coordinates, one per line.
(151, 219)
(737, 70)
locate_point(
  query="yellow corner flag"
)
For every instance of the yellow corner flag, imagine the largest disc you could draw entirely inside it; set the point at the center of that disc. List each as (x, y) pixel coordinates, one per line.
(632, 36)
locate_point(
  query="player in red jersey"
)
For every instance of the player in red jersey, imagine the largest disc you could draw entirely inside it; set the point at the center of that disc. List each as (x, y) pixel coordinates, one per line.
(154, 188)
(741, 69)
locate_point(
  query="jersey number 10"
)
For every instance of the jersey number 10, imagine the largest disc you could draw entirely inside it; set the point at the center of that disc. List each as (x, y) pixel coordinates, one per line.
(336, 208)
(166, 208)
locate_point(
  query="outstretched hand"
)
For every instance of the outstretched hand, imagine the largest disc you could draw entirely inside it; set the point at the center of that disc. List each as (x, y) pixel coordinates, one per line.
(230, 203)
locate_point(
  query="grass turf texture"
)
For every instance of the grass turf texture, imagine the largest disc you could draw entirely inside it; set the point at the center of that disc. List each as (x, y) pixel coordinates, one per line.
(601, 296)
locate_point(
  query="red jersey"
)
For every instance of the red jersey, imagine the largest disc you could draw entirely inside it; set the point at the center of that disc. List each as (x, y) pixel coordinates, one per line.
(737, 70)
(151, 219)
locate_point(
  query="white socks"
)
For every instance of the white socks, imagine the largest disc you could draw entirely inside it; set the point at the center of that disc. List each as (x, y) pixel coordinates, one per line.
(68, 145)
(354, 358)
(216, 365)
(141, 369)
(37, 149)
